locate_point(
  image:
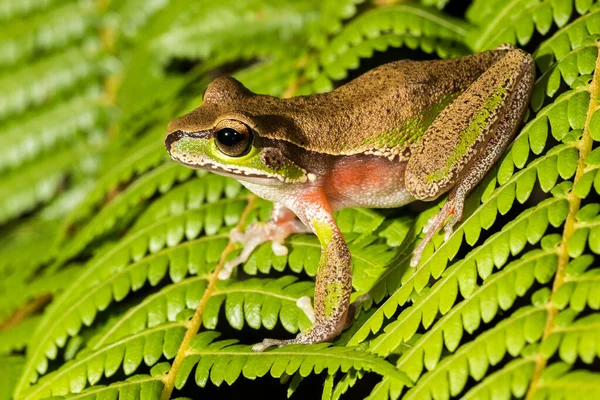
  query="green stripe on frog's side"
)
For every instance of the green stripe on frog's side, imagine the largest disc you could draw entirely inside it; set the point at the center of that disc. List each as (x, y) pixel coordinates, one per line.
(198, 151)
(469, 136)
(410, 130)
(333, 298)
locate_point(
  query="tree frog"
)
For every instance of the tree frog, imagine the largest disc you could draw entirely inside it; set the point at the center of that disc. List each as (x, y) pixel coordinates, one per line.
(404, 131)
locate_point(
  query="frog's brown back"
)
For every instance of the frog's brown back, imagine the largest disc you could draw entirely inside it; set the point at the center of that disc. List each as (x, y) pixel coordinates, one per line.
(381, 112)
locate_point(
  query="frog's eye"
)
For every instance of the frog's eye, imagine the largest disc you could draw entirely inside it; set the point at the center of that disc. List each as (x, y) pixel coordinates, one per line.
(233, 138)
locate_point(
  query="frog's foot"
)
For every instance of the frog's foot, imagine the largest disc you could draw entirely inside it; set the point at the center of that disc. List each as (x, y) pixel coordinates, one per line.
(454, 207)
(258, 234)
(315, 334)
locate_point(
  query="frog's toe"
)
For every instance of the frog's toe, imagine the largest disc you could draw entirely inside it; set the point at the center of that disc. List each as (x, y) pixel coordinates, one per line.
(279, 249)
(266, 343)
(304, 303)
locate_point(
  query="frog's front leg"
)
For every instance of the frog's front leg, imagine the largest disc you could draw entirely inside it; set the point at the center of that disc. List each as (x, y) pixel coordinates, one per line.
(283, 223)
(333, 284)
(468, 137)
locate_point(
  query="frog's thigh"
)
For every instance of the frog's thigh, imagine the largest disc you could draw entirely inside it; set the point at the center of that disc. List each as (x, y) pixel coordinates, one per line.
(469, 135)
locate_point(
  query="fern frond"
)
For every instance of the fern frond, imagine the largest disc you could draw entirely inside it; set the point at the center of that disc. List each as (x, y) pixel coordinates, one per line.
(127, 354)
(21, 287)
(516, 20)
(36, 183)
(144, 387)
(268, 29)
(529, 226)
(332, 13)
(21, 39)
(10, 369)
(489, 348)
(405, 24)
(568, 54)
(160, 179)
(47, 79)
(17, 337)
(15, 9)
(558, 381)
(79, 305)
(191, 195)
(512, 380)
(259, 302)
(573, 340)
(225, 361)
(148, 154)
(580, 287)
(24, 140)
(158, 308)
(133, 15)
(273, 76)
(499, 290)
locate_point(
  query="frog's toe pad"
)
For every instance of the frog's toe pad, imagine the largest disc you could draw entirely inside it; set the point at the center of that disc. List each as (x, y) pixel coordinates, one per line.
(304, 303)
(279, 249)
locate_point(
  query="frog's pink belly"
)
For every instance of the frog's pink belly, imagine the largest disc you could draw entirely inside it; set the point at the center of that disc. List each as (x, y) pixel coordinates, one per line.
(367, 182)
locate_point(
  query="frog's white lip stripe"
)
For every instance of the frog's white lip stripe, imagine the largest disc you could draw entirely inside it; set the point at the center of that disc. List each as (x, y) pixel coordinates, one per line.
(232, 171)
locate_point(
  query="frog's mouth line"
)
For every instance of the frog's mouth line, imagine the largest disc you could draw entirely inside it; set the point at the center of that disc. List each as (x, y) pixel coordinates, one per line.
(230, 172)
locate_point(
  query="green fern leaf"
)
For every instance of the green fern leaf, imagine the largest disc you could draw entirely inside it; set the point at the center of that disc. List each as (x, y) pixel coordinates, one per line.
(17, 337)
(128, 353)
(259, 302)
(47, 79)
(516, 20)
(44, 32)
(10, 369)
(224, 361)
(143, 387)
(51, 126)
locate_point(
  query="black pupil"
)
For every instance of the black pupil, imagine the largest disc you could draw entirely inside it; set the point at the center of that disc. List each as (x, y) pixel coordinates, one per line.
(229, 137)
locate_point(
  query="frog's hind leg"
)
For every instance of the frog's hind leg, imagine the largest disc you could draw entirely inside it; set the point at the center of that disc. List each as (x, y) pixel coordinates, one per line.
(333, 285)
(467, 138)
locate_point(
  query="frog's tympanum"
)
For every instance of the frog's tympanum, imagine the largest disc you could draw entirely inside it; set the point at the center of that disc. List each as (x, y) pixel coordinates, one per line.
(405, 131)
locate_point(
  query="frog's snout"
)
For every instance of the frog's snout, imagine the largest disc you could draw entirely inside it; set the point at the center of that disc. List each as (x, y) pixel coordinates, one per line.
(172, 138)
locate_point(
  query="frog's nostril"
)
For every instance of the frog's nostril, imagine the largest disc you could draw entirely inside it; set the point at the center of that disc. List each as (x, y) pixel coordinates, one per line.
(173, 137)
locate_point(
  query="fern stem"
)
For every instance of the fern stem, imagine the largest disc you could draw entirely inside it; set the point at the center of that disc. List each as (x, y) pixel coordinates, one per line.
(194, 324)
(585, 147)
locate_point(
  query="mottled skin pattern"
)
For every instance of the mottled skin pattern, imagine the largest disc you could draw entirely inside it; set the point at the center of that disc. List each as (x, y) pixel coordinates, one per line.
(403, 131)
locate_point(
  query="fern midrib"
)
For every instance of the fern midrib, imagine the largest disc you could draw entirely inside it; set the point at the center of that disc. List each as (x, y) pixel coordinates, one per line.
(254, 291)
(194, 324)
(585, 146)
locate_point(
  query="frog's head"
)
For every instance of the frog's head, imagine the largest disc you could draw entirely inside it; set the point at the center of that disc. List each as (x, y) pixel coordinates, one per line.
(223, 135)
